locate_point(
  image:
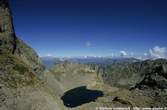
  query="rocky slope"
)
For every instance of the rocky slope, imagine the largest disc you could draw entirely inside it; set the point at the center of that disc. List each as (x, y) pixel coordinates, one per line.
(10, 44)
(26, 85)
(144, 80)
(71, 75)
(150, 73)
(21, 83)
(128, 93)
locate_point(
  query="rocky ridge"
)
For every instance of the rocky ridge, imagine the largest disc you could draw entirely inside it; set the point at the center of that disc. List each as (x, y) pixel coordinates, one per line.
(21, 83)
(26, 85)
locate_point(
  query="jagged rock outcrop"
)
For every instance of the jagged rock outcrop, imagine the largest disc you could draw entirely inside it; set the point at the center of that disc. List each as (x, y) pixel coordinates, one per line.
(156, 78)
(144, 74)
(21, 87)
(7, 34)
(10, 44)
(6, 25)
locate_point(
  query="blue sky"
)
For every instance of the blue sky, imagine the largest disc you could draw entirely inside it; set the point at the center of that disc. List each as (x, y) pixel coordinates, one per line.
(92, 27)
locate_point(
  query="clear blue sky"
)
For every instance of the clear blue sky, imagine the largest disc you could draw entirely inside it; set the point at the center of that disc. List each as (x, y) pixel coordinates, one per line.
(91, 27)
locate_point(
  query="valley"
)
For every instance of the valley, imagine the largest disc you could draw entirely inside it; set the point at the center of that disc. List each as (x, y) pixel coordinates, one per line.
(28, 82)
(115, 93)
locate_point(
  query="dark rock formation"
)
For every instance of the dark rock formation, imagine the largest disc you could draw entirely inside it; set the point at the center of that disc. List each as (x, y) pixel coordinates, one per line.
(10, 44)
(150, 74)
(156, 79)
(21, 83)
(6, 25)
(7, 34)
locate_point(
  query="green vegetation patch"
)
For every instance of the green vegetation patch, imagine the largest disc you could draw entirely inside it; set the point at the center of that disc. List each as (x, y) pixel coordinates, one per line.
(15, 73)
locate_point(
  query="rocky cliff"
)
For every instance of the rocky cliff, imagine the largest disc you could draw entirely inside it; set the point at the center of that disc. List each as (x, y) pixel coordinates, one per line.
(10, 44)
(21, 87)
(149, 74)
(7, 34)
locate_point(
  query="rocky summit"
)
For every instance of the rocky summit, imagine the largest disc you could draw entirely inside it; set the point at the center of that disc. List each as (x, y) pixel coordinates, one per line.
(73, 84)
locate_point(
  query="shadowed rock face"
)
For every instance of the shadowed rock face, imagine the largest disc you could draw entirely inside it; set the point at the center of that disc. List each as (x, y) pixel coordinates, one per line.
(4, 3)
(6, 24)
(10, 44)
(149, 74)
(20, 69)
(7, 34)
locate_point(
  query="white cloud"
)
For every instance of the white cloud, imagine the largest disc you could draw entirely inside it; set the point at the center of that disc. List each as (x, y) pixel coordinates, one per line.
(123, 53)
(158, 52)
(49, 55)
(145, 54)
(88, 44)
(112, 54)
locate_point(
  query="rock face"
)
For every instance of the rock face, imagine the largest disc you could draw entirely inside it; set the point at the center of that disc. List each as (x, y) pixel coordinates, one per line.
(7, 34)
(71, 75)
(150, 74)
(6, 25)
(20, 68)
(10, 44)
(156, 78)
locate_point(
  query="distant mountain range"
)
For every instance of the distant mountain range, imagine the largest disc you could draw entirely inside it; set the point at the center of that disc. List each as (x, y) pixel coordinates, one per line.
(49, 61)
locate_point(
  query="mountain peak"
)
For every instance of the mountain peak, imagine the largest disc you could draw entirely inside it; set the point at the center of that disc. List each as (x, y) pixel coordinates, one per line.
(10, 43)
(7, 33)
(6, 22)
